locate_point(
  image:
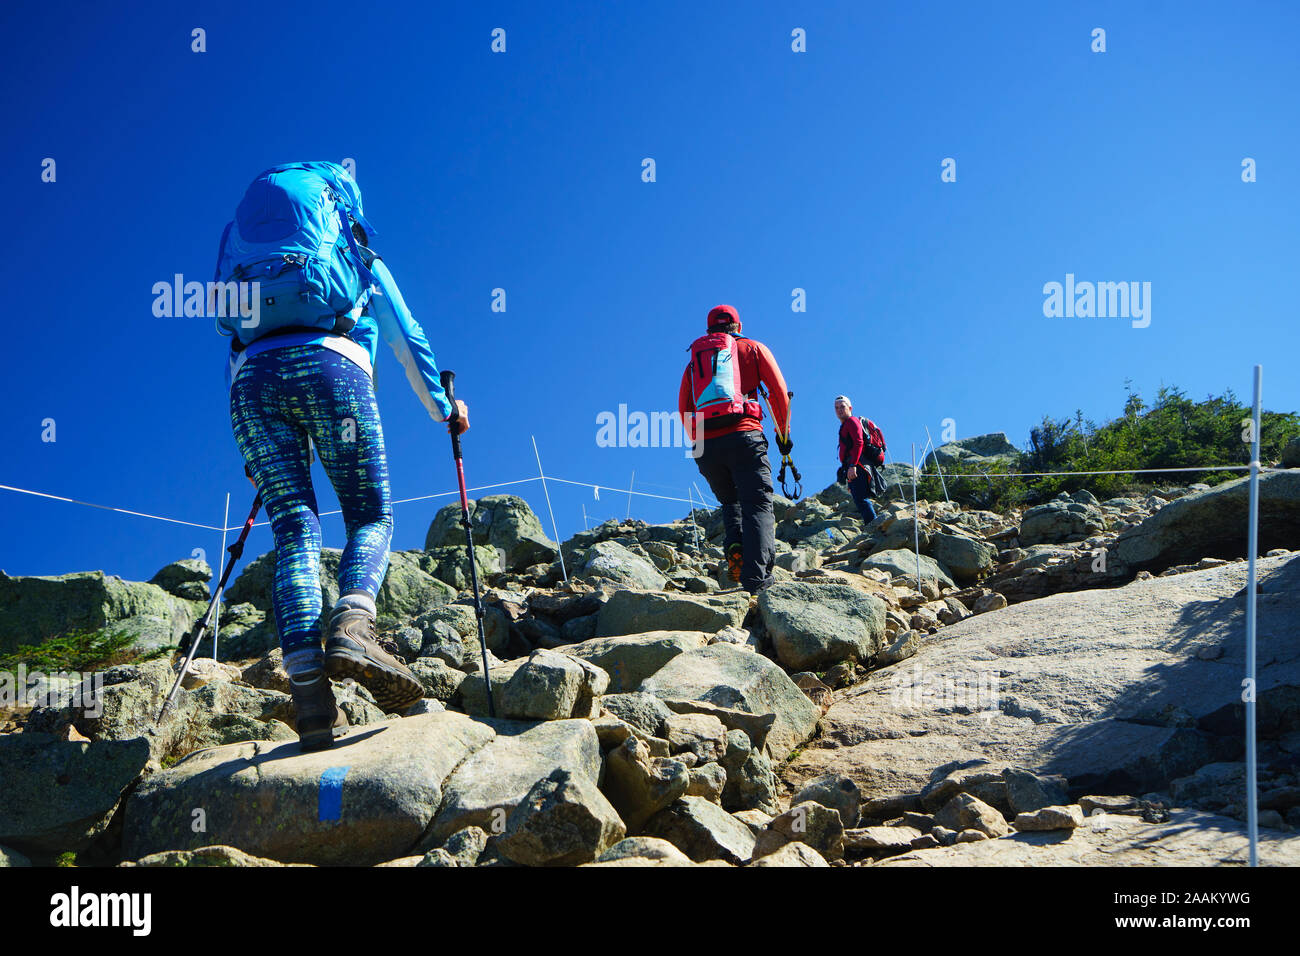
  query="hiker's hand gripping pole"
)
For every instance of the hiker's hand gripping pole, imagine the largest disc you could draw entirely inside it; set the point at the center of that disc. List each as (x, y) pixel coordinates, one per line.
(784, 446)
(236, 551)
(448, 378)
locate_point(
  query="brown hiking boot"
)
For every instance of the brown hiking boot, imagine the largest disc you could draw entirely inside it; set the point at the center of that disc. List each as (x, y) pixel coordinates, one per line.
(353, 650)
(315, 714)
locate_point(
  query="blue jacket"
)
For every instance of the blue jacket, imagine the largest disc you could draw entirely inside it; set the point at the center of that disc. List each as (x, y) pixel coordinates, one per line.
(384, 313)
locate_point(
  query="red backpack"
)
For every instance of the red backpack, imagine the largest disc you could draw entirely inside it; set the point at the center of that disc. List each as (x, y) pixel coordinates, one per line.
(715, 382)
(873, 448)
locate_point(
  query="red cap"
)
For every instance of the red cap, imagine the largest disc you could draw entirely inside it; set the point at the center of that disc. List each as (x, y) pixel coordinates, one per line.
(723, 315)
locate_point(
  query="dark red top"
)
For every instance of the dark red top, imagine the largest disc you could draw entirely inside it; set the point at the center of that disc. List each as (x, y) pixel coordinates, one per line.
(852, 441)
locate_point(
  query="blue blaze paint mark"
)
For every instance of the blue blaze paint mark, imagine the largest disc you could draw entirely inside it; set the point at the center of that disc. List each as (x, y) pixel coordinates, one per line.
(331, 792)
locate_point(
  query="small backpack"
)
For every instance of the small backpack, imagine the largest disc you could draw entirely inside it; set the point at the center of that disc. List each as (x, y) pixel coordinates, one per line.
(715, 382)
(292, 234)
(873, 448)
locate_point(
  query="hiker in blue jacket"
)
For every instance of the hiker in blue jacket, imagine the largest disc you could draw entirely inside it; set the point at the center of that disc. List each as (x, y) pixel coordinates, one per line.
(295, 384)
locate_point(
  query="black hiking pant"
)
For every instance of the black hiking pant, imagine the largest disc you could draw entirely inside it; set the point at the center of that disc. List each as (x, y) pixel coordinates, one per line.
(736, 467)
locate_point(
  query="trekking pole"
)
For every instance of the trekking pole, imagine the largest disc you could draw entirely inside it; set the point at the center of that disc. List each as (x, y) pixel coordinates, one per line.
(448, 385)
(786, 461)
(235, 551)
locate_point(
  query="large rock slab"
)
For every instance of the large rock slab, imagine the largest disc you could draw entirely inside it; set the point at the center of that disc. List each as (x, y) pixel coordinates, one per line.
(1111, 689)
(610, 561)
(640, 612)
(490, 784)
(503, 521)
(1190, 838)
(35, 608)
(725, 675)
(632, 658)
(815, 624)
(902, 563)
(1212, 524)
(58, 795)
(368, 799)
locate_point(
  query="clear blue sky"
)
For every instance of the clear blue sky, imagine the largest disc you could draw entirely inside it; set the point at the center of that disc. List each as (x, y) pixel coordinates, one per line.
(522, 170)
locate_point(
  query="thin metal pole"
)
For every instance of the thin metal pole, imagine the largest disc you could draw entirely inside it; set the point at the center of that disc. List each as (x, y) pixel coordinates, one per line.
(930, 442)
(216, 626)
(585, 526)
(695, 530)
(916, 522)
(629, 494)
(559, 545)
(1252, 787)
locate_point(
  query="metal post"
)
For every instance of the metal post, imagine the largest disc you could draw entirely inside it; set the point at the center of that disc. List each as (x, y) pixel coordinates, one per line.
(916, 522)
(930, 442)
(1252, 787)
(559, 545)
(216, 626)
(629, 494)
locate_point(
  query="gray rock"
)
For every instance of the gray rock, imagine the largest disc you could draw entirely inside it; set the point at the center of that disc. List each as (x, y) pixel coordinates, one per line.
(809, 822)
(1058, 521)
(1051, 818)
(640, 612)
(644, 848)
(492, 782)
(631, 659)
(1210, 524)
(967, 559)
(751, 783)
(813, 625)
(755, 726)
(502, 521)
(366, 800)
(10, 857)
(792, 854)
(725, 675)
(836, 791)
(59, 795)
(643, 711)
(902, 564)
(610, 561)
(187, 578)
(1027, 792)
(703, 831)
(966, 812)
(450, 564)
(703, 735)
(562, 821)
(707, 781)
(1073, 685)
(443, 642)
(440, 681)
(551, 686)
(639, 785)
(33, 609)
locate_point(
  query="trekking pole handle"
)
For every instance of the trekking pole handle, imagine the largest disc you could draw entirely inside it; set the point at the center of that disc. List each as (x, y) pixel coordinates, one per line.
(448, 379)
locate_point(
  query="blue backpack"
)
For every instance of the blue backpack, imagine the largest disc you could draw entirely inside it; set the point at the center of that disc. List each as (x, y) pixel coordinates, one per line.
(292, 234)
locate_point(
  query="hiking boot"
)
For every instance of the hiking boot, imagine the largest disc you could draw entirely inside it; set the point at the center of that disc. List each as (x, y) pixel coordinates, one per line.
(353, 650)
(316, 716)
(735, 561)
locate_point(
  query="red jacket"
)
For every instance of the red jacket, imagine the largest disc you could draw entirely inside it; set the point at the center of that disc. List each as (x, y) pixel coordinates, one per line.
(756, 365)
(852, 441)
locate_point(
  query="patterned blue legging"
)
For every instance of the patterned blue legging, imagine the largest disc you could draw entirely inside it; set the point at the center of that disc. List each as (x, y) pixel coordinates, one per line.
(281, 398)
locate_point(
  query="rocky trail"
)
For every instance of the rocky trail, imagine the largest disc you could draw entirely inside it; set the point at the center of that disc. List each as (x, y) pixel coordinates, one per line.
(1061, 686)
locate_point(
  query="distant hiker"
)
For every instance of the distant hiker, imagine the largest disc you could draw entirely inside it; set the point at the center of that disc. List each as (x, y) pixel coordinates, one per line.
(719, 391)
(302, 375)
(862, 451)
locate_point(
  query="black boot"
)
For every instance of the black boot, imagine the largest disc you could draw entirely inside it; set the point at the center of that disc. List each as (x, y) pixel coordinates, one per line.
(315, 713)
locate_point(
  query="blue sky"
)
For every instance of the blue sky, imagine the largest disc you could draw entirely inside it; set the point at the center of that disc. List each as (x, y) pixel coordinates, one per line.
(522, 170)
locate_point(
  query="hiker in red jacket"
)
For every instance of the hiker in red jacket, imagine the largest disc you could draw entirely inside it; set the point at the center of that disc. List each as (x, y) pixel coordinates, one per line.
(719, 393)
(857, 458)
